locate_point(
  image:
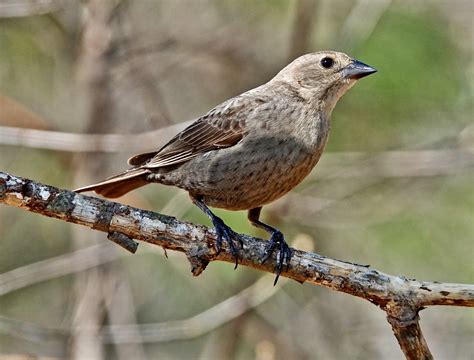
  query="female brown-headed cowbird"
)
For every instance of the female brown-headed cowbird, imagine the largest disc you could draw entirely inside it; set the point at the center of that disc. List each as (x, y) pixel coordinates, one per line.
(252, 149)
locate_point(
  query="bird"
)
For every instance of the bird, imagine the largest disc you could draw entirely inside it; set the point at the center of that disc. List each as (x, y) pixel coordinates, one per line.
(251, 149)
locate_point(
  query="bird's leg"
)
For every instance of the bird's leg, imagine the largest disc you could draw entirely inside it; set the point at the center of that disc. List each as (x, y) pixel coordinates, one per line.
(222, 230)
(277, 240)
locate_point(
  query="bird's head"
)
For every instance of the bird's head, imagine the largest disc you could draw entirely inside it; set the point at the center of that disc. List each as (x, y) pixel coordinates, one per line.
(323, 77)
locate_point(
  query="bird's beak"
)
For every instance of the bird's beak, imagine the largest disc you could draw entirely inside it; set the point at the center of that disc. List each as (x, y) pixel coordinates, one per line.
(357, 70)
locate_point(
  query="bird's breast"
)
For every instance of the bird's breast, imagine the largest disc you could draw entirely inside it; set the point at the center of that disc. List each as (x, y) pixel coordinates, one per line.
(264, 166)
(259, 171)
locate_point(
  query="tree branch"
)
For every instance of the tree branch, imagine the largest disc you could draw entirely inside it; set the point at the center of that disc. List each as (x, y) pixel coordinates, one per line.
(29, 8)
(395, 163)
(190, 328)
(410, 338)
(399, 297)
(61, 265)
(75, 142)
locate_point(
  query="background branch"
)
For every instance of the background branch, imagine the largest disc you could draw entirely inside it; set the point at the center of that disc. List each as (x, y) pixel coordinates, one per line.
(399, 297)
(21, 8)
(204, 322)
(57, 266)
(74, 142)
(103, 292)
(395, 163)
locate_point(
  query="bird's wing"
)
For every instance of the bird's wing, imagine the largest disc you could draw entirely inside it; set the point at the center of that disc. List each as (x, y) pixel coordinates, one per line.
(222, 127)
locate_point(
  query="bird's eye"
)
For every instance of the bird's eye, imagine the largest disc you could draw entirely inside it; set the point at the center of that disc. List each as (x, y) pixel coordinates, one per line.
(327, 62)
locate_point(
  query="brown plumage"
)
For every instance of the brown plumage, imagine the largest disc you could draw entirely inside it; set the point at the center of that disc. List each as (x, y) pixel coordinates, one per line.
(251, 149)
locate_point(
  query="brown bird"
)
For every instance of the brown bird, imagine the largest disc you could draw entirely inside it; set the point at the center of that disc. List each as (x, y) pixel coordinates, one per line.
(252, 149)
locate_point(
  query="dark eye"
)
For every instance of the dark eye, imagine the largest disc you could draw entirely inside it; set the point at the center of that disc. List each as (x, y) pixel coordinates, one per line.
(327, 62)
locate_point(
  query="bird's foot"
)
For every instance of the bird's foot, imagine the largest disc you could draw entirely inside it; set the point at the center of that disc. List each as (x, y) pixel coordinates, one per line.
(224, 232)
(277, 241)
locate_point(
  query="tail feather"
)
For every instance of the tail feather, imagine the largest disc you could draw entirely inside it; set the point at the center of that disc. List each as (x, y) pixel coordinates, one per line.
(118, 185)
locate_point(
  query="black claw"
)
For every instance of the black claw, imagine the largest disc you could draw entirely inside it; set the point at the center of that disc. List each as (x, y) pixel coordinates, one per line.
(218, 244)
(225, 232)
(289, 254)
(283, 256)
(222, 230)
(276, 279)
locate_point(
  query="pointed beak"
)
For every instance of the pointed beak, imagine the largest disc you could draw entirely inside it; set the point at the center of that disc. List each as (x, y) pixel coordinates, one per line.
(357, 70)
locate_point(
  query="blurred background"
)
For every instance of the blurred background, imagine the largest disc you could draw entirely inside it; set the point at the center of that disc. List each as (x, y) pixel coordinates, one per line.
(394, 188)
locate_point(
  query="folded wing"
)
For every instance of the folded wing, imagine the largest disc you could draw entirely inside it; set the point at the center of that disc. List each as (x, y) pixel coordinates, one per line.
(222, 127)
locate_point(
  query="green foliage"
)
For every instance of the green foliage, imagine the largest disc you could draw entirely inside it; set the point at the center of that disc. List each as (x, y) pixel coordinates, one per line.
(420, 75)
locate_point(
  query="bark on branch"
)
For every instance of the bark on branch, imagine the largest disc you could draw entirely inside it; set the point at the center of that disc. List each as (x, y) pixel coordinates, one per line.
(399, 297)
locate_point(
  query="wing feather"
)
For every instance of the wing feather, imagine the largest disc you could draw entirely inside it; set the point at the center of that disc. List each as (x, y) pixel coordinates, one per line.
(223, 126)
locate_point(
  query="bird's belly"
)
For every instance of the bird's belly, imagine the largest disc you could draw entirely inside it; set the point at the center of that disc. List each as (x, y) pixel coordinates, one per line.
(251, 176)
(266, 187)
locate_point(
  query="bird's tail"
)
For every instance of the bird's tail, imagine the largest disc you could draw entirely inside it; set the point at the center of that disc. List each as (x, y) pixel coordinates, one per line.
(118, 185)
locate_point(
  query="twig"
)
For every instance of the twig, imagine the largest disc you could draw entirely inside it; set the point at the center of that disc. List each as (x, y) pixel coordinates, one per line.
(409, 336)
(402, 163)
(198, 325)
(74, 142)
(355, 31)
(92, 302)
(189, 328)
(141, 74)
(20, 8)
(399, 297)
(398, 163)
(93, 79)
(303, 24)
(57, 266)
(372, 169)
